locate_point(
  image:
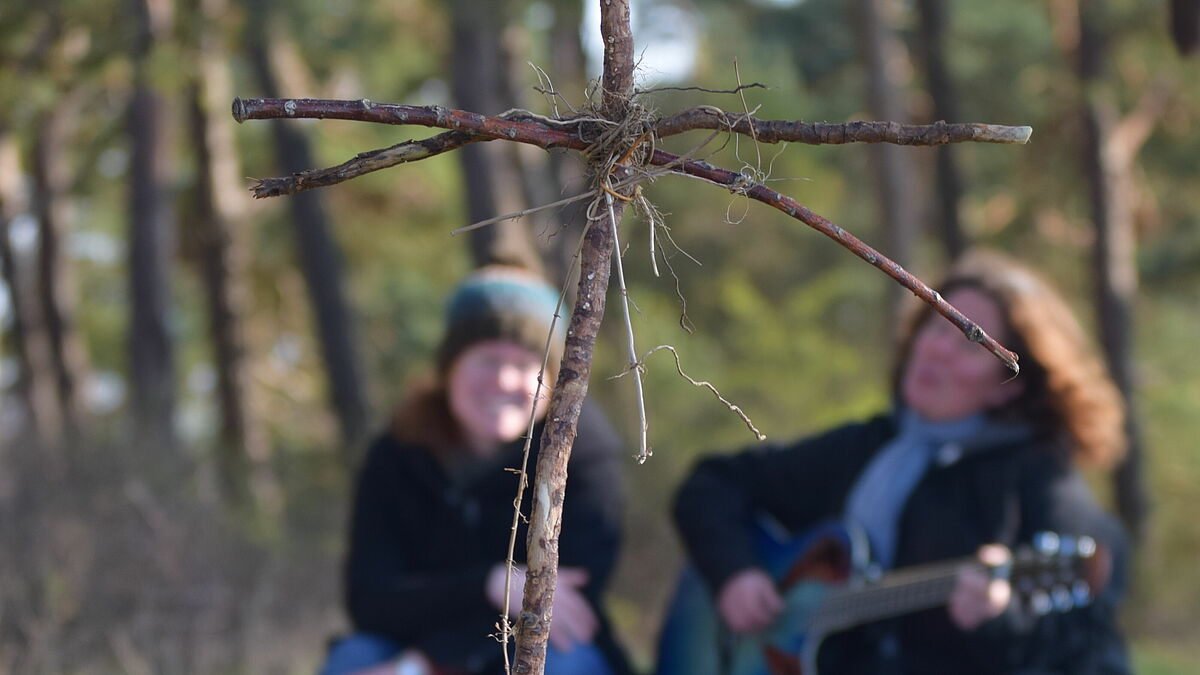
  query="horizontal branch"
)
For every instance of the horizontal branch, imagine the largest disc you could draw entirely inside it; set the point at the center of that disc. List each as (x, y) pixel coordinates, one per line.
(474, 127)
(364, 163)
(364, 110)
(466, 128)
(819, 133)
(740, 183)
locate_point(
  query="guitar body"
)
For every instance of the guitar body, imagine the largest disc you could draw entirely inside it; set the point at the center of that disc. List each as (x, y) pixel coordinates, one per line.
(694, 641)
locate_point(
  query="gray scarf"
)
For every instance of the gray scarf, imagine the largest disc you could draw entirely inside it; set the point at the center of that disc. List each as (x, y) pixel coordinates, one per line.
(878, 497)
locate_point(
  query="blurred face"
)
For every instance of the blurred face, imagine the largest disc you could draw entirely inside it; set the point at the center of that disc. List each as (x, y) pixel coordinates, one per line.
(948, 377)
(491, 390)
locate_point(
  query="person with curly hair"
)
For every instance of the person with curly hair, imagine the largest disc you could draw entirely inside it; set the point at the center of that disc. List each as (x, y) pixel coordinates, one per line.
(972, 461)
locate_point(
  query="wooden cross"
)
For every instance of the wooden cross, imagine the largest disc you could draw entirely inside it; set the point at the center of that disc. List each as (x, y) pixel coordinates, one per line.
(619, 142)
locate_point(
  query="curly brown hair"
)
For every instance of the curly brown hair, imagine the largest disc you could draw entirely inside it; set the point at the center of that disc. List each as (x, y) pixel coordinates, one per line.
(1067, 387)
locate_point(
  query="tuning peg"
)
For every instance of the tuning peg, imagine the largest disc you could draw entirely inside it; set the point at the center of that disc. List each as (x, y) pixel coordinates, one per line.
(1086, 547)
(1067, 545)
(1081, 593)
(1060, 596)
(1046, 543)
(1040, 603)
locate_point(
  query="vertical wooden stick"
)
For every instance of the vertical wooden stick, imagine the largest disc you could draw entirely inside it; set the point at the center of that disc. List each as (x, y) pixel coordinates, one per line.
(549, 489)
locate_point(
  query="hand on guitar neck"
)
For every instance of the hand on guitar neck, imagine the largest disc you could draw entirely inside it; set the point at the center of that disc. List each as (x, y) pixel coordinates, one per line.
(977, 596)
(749, 601)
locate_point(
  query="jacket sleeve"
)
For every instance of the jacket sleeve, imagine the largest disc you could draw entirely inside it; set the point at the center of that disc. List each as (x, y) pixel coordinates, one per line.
(799, 486)
(384, 595)
(1082, 641)
(591, 530)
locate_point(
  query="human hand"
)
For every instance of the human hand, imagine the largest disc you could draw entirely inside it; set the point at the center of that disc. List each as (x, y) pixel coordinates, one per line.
(494, 587)
(978, 598)
(748, 601)
(573, 622)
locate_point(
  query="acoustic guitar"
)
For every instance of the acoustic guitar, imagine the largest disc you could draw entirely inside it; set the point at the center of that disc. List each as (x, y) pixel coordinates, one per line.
(825, 581)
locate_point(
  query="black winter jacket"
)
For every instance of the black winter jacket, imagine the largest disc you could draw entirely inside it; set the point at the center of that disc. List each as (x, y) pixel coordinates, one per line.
(421, 545)
(970, 496)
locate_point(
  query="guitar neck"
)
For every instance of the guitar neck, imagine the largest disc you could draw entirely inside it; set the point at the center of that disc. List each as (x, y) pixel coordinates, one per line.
(900, 592)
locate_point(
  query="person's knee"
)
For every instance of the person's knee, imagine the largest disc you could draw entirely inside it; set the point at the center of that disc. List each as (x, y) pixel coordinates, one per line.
(359, 651)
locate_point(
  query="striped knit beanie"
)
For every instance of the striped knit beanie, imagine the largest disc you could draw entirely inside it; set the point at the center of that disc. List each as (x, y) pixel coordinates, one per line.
(500, 302)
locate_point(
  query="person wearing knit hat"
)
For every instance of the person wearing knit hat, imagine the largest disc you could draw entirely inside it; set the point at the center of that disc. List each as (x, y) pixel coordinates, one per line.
(501, 302)
(425, 573)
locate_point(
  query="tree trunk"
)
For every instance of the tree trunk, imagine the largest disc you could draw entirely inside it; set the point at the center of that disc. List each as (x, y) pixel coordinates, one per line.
(151, 244)
(492, 172)
(1108, 159)
(55, 282)
(320, 264)
(35, 385)
(884, 59)
(1185, 25)
(948, 191)
(243, 450)
(569, 175)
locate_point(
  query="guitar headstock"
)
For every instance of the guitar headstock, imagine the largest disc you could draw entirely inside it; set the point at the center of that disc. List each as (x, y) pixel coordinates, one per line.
(1058, 573)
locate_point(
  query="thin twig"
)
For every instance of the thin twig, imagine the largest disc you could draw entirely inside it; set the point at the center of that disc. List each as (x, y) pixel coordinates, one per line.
(523, 480)
(704, 384)
(522, 213)
(639, 393)
(736, 90)
(746, 107)
(544, 78)
(652, 217)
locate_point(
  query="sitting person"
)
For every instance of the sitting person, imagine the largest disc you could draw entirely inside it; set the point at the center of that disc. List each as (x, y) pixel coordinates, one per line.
(970, 457)
(433, 511)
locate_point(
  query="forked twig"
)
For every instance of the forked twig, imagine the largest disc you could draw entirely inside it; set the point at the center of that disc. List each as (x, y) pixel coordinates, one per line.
(703, 384)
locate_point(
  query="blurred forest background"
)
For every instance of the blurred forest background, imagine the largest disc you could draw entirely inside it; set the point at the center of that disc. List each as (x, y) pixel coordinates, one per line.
(189, 375)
